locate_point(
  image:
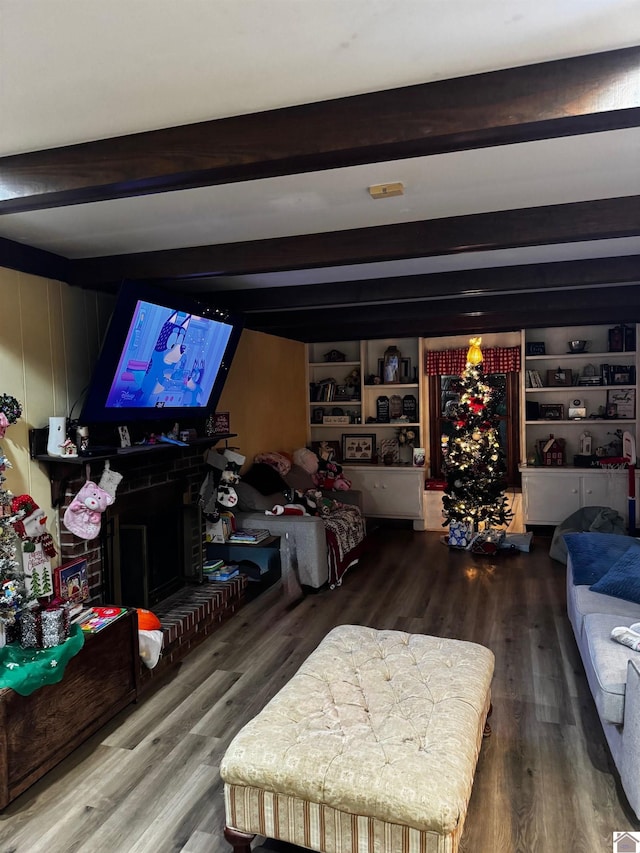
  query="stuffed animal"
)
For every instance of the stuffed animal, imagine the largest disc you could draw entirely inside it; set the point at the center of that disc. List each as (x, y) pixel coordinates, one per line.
(83, 516)
(306, 459)
(30, 525)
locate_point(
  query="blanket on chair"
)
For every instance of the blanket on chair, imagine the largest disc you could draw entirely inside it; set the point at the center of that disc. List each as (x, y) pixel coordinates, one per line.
(345, 532)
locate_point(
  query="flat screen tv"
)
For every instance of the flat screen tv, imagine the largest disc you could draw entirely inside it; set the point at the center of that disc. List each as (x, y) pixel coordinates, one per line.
(164, 357)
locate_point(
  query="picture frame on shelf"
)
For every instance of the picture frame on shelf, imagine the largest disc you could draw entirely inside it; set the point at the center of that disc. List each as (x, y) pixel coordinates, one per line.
(390, 451)
(551, 411)
(535, 348)
(419, 457)
(405, 370)
(358, 447)
(621, 403)
(330, 451)
(559, 377)
(620, 377)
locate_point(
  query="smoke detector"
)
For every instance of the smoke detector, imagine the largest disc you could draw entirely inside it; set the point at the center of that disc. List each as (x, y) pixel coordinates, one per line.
(386, 190)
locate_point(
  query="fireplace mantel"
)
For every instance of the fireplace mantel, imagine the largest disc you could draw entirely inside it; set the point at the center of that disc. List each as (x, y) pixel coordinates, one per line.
(62, 469)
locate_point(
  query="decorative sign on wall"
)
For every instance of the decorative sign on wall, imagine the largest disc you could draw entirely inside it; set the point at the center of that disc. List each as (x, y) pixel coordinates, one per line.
(221, 423)
(382, 410)
(410, 408)
(395, 407)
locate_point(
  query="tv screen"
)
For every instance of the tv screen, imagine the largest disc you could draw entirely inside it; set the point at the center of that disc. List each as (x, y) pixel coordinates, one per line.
(164, 357)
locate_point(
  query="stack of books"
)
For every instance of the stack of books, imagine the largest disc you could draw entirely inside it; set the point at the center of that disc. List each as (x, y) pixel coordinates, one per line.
(248, 537)
(533, 379)
(224, 573)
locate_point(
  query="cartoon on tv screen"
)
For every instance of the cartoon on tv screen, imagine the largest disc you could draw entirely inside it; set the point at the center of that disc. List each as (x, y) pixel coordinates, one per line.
(170, 358)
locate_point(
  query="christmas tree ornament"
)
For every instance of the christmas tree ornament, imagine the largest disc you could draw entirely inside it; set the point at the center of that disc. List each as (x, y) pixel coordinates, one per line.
(10, 410)
(83, 516)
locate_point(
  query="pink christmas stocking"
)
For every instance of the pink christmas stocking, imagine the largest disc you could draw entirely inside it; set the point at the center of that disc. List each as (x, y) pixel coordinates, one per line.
(83, 516)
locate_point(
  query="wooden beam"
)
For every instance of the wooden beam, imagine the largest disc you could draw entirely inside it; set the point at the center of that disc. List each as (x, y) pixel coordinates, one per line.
(17, 256)
(484, 280)
(494, 313)
(578, 95)
(536, 226)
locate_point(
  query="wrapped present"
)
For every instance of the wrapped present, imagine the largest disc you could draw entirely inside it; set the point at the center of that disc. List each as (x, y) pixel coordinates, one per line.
(460, 534)
(42, 628)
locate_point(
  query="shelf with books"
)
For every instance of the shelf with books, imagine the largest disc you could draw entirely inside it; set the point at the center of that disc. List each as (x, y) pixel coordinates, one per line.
(574, 397)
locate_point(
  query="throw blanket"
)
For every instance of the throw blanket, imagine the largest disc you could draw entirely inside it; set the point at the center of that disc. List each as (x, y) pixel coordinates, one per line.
(345, 532)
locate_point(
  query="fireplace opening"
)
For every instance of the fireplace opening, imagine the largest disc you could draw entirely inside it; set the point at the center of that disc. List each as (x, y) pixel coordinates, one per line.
(144, 545)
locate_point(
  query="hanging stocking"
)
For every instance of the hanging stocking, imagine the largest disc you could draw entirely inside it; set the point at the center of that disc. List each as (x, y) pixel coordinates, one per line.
(110, 480)
(83, 516)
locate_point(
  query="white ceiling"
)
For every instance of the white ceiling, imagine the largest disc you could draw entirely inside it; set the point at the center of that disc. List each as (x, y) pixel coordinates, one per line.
(74, 71)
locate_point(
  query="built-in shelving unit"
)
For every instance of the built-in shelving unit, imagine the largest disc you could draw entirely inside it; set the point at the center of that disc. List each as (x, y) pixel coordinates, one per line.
(580, 398)
(340, 406)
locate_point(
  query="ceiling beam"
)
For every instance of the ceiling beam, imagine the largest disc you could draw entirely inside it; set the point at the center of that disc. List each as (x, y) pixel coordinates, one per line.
(565, 97)
(536, 226)
(28, 259)
(494, 313)
(476, 282)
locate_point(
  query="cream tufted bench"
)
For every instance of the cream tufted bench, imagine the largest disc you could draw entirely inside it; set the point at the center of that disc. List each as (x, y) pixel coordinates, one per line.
(372, 745)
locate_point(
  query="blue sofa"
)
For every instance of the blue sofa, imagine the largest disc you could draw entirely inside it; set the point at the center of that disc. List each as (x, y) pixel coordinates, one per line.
(611, 564)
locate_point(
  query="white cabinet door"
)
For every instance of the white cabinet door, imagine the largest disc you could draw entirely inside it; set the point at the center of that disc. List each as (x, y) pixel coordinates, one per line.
(389, 492)
(606, 488)
(550, 496)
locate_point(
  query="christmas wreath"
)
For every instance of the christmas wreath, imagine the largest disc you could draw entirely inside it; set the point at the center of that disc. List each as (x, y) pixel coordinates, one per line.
(10, 408)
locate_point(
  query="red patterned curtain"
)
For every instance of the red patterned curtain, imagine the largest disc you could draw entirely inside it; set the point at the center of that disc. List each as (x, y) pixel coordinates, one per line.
(452, 362)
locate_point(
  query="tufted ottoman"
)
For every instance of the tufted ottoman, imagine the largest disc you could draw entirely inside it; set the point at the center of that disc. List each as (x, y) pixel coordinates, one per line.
(371, 746)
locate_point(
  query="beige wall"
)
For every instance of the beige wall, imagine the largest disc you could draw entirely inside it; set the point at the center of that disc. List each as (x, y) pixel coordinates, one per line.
(50, 336)
(266, 394)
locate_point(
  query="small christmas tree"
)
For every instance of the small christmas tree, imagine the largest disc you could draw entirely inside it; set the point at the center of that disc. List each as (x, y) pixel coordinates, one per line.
(474, 462)
(13, 593)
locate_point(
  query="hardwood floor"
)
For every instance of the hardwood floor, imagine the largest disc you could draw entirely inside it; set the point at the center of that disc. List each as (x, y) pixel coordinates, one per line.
(149, 783)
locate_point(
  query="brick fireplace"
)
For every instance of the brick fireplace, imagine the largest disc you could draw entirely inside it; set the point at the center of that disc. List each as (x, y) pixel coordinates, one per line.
(155, 518)
(157, 485)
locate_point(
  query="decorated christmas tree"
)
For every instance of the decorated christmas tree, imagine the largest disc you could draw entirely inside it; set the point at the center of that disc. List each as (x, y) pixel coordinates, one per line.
(13, 593)
(474, 462)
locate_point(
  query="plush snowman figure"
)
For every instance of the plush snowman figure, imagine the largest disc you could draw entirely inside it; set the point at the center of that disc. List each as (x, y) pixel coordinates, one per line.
(31, 526)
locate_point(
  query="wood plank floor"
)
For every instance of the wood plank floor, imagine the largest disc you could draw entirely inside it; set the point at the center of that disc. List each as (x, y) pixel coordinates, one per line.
(149, 781)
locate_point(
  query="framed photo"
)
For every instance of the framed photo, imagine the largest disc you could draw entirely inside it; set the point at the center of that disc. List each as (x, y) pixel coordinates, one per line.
(71, 581)
(621, 403)
(405, 370)
(358, 448)
(327, 450)
(552, 411)
(560, 376)
(390, 451)
(620, 377)
(419, 456)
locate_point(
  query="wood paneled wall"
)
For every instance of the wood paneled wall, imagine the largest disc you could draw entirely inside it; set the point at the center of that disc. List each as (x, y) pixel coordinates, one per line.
(50, 336)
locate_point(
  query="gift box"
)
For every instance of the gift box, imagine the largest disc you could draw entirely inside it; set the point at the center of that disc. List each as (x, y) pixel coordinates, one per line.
(43, 629)
(460, 534)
